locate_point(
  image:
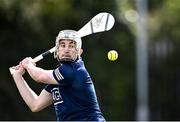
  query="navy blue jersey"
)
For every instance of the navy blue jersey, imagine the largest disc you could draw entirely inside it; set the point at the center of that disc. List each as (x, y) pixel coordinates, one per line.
(74, 96)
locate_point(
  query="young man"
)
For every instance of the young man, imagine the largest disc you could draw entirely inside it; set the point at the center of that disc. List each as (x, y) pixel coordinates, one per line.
(69, 87)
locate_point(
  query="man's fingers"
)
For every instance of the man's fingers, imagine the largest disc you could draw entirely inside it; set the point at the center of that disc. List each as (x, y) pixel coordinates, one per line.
(12, 70)
(26, 61)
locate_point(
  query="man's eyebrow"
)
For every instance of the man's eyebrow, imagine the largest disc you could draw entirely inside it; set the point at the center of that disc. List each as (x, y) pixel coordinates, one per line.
(61, 42)
(72, 42)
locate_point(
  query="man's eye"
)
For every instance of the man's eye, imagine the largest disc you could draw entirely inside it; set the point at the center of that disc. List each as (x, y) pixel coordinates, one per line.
(62, 45)
(71, 46)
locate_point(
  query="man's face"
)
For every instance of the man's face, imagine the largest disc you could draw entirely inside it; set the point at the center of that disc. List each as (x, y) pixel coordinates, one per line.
(67, 50)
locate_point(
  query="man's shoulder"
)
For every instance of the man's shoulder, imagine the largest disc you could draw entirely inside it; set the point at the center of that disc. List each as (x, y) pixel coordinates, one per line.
(79, 62)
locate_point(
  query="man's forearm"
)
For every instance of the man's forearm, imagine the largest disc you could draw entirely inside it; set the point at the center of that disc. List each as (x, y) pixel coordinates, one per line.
(28, 95)
(41, 75)
(35, 72)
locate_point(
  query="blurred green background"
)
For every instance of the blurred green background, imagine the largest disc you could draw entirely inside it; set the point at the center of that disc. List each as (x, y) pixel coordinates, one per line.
(29, 27)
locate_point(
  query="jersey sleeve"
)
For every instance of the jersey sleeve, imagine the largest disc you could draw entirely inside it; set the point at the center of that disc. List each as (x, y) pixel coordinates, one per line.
(48, 88)
(64, 74)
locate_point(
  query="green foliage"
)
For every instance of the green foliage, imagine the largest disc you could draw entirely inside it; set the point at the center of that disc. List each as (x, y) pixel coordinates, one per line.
(30, 27)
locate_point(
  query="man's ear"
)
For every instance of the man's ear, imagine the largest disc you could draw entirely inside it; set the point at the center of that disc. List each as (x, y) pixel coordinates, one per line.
(81, 51)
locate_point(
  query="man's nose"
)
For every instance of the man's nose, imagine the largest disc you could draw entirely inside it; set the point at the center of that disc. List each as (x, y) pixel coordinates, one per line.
(66, 48)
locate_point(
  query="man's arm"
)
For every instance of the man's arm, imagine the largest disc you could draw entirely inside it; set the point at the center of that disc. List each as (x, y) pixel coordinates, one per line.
(34, 102)
(38, 74)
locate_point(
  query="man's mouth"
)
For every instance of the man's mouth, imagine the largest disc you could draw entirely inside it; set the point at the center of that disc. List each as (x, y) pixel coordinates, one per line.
(66, 56)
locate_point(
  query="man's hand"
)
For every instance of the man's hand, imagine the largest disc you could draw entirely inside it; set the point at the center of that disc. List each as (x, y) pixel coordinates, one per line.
(27, 62)
(17, 70)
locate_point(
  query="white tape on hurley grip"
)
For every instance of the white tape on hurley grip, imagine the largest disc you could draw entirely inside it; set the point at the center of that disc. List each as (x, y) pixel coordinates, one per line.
(37, 58)
(41, 56)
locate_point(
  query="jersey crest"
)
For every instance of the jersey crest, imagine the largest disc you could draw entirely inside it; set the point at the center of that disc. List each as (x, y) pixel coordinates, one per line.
(56, 96)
